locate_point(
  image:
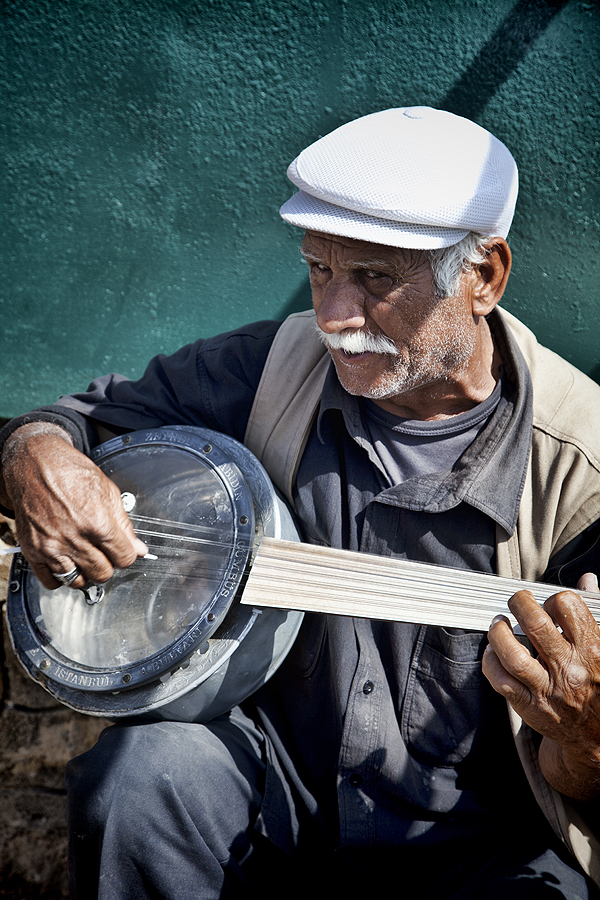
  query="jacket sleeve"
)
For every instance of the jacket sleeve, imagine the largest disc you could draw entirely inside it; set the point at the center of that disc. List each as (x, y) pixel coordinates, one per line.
(210, 383)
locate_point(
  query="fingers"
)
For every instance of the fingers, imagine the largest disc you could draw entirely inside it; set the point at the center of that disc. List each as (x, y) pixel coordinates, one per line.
(106, 542)
(555, 688)
(571, 614)
(93, 565)
(70, 515)
(69, 575)
(87, 563)
(588, 582)
(107, 528)
(510, 668)
(506, 662)
(562, 622)
(537, 622)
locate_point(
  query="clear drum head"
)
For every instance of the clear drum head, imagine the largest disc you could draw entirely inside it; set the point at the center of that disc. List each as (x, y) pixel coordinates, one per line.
(158, 631)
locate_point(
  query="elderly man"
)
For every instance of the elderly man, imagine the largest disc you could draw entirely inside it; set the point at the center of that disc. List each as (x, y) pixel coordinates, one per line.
(380, 754)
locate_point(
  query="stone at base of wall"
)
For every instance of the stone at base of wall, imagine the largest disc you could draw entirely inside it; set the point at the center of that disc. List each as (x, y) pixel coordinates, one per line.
(37, 738)
(33, 849)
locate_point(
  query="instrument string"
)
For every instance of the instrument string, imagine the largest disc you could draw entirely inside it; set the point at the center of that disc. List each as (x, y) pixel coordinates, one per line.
(293, 575)
(303, 576)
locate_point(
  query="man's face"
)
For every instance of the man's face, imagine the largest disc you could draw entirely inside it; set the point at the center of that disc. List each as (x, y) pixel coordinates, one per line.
(361, 289)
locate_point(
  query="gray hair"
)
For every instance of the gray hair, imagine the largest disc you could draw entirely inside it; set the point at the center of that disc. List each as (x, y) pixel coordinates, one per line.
(448, 263)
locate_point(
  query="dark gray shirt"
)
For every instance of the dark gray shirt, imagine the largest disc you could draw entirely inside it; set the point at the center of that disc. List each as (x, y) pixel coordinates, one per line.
(405, 448)
(399, 719)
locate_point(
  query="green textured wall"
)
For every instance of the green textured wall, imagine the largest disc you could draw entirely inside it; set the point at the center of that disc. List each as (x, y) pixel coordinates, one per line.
(146, 141)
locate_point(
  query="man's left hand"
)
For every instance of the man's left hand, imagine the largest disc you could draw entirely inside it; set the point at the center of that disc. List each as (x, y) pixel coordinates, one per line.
(557, 691)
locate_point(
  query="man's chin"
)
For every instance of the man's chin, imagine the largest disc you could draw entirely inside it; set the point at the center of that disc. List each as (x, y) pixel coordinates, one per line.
(372, 389)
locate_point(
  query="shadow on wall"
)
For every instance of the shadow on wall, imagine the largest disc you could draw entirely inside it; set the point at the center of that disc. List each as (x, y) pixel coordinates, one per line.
(301, 299)
(492, 66)
(499, 57)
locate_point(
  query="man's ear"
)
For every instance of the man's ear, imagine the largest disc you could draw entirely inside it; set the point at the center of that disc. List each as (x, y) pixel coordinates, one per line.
(490, 276)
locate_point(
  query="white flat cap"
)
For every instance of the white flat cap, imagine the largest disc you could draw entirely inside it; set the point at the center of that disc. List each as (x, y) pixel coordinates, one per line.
(414, 177)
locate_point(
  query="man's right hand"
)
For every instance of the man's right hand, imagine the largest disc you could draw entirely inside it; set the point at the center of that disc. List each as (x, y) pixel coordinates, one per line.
(68, 514)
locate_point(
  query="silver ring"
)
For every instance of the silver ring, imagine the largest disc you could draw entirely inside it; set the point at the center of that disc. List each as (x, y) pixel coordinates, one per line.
(68, 577)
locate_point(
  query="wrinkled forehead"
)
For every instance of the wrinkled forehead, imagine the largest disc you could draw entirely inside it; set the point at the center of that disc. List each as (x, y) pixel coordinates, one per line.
(323, 247)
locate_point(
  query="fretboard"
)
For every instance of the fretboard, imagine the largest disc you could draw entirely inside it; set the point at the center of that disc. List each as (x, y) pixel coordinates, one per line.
(304, 577)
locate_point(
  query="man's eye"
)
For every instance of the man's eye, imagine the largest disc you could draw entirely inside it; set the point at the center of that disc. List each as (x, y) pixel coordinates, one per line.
(375, 275)
(377, 280)
(319, 269)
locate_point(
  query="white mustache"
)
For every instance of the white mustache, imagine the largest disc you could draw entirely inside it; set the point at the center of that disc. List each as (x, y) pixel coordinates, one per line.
(358, 342)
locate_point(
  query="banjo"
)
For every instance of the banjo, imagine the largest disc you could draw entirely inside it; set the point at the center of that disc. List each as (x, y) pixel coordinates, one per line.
(207, 617)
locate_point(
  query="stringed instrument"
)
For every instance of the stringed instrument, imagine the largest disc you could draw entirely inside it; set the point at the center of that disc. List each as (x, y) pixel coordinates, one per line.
(208, 616)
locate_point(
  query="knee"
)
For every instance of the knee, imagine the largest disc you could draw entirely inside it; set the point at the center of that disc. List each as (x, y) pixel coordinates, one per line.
(107, 772)
(138, 772)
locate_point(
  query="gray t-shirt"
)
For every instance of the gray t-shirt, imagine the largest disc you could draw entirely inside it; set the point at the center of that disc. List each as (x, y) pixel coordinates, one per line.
(407, 447)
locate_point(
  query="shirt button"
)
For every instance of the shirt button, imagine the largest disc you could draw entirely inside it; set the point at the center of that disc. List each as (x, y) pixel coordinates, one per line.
(356, 780)
(368, 687)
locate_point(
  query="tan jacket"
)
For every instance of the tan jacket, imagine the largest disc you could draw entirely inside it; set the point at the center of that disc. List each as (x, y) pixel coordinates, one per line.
(561, 496)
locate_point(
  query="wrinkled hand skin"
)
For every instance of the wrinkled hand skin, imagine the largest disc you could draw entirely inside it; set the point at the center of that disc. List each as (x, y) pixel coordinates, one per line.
(557, 689)
(67, 512)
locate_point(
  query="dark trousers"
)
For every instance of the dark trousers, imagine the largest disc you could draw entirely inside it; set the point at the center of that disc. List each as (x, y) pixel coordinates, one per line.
(167, 810)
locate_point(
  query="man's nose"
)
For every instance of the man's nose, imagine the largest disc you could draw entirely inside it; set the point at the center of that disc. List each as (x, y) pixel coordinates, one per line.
(340, 305)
